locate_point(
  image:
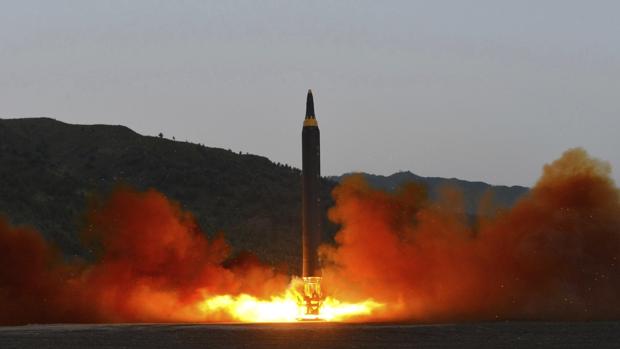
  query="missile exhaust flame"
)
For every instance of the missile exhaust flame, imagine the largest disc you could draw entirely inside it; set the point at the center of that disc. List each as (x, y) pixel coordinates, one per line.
(287, 307)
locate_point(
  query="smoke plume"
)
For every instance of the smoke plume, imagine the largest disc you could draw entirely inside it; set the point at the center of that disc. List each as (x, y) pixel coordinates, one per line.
(152, 264)
(554, 255)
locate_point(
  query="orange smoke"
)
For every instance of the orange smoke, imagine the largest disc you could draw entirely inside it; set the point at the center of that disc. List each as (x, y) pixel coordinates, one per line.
(154, 261)
(33, 280)
(152, 264)
(552, 256)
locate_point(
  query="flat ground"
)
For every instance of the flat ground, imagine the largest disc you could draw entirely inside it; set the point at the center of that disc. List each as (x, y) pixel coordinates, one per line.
(317, 335)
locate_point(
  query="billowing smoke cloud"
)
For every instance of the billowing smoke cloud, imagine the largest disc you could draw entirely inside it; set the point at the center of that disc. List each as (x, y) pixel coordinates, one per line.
(152, 263)
(33, 280)
(552, 256)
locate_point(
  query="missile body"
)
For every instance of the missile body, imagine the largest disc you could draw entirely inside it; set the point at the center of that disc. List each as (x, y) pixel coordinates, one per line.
(311, 213)
(311, 202)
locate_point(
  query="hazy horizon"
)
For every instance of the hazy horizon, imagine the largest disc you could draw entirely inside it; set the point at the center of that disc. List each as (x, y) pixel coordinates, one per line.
(480, 91)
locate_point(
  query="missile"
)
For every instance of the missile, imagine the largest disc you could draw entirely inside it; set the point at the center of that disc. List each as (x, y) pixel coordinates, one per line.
(311, 210)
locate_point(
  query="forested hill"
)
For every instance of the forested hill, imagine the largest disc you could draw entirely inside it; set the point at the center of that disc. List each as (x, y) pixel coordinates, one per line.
(49, 169)
(473, 192)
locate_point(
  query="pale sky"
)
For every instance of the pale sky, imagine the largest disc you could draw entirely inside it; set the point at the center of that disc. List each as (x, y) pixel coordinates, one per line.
(480, 90)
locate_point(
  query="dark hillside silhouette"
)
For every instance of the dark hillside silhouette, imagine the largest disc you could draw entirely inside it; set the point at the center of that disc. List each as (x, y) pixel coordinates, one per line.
(50, 169)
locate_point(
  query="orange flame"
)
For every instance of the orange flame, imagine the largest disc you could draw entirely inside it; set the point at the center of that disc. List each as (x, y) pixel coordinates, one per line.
(285, 307)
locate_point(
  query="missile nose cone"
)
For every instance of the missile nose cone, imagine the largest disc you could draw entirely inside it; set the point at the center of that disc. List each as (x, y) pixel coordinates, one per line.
(309, 106)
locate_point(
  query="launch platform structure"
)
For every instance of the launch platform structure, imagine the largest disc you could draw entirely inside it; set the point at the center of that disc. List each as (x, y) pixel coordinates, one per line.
(313, 298)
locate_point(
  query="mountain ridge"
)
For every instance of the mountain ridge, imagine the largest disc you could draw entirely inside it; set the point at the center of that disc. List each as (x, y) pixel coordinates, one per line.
(49, 170)
(473, 191)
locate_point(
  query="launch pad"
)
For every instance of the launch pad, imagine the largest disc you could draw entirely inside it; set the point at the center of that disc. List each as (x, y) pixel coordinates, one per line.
(312, 300)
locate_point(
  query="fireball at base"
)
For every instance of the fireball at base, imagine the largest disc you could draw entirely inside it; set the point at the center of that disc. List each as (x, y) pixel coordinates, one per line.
(287, 307)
